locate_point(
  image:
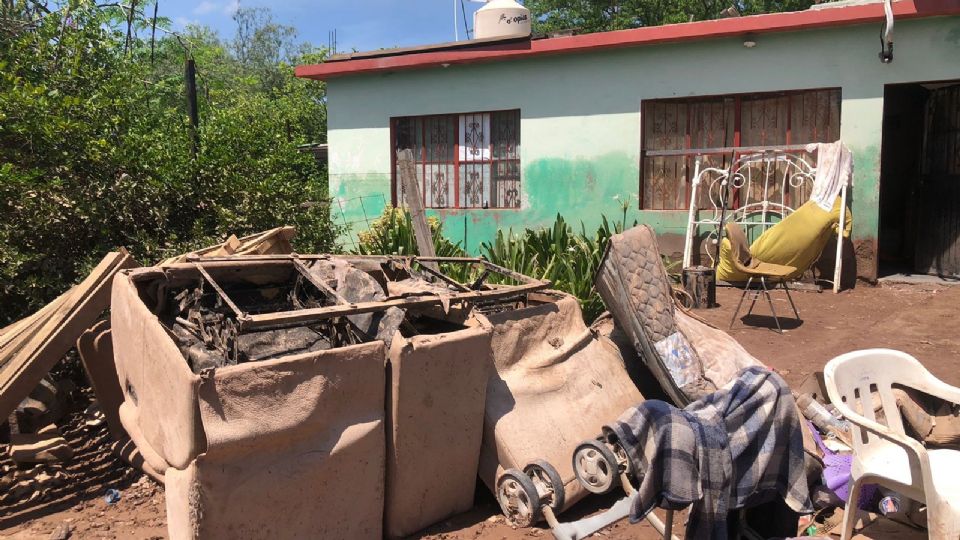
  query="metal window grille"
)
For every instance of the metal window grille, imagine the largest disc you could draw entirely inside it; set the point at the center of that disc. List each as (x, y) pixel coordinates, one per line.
(463, 160)
(719, 129)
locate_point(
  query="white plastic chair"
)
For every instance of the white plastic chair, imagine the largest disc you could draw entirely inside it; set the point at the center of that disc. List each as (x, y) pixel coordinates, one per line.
(885, 455)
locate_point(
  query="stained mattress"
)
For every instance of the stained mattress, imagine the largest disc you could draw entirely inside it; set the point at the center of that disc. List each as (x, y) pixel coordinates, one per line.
(688, 358)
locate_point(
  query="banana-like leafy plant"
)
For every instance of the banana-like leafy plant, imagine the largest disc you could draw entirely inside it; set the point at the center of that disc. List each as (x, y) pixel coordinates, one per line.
(569, 259)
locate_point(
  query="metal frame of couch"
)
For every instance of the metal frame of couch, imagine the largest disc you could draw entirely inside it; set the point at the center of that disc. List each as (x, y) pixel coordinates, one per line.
(476, 292)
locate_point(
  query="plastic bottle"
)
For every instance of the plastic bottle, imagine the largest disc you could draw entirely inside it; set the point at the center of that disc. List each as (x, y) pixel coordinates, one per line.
(889, 505)
(819, 415)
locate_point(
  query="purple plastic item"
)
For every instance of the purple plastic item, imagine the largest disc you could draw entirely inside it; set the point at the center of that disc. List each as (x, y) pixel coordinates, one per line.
(836, 473)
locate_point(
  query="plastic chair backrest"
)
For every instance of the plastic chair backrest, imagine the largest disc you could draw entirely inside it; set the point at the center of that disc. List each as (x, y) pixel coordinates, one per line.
(853, 381)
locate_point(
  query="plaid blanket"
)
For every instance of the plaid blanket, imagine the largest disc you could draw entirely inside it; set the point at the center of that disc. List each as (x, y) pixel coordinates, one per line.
(738, 447)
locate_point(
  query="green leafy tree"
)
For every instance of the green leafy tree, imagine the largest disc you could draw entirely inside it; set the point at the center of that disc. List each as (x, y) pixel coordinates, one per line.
(95, 145)
(602, 15)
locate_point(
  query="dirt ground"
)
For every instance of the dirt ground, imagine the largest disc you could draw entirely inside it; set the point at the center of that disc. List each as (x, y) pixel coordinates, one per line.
(914, 318)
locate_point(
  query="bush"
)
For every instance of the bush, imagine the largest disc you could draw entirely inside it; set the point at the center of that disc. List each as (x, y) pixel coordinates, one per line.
(569, 260)
(392, 234)
(96, 150)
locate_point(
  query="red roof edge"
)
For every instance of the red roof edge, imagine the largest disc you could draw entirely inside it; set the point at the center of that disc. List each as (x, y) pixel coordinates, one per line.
(756, 24)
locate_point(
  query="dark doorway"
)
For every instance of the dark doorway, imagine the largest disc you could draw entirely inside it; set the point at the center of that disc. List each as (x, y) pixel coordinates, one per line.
(920, 180)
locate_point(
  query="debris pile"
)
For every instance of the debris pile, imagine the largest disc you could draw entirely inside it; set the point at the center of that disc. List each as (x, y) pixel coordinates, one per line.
(377, 389)
(379, 362)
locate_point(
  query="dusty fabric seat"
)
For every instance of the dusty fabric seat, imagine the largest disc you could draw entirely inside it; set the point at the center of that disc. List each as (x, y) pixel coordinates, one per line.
(555, 382)
(796, 241)
(308, 433)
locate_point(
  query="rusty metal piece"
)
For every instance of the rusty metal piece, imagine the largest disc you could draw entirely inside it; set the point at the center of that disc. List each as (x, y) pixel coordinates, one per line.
(223, 295)
(323, 287)
(287, 319)
(430, 269)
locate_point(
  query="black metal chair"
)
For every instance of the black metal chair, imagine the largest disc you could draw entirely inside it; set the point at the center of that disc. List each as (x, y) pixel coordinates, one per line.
(760, 272)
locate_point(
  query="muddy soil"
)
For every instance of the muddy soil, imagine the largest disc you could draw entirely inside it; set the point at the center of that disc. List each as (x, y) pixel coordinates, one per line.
(918, 319)
(78, 503)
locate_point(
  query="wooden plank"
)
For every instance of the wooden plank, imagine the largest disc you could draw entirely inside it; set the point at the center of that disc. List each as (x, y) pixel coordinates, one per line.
(95, 347)
(61, 307)
(21, 373)
(486, 264)
(254, 260)
(288, 319)
(223, 295)
(14, 330)
(407, 174)
(275, 240)
(15, 341)
(442, 277)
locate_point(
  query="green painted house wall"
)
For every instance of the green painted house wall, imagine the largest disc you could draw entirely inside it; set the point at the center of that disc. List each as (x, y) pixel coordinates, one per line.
(580, 118)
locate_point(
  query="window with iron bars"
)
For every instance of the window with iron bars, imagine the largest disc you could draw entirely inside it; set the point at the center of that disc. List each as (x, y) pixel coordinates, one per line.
(719, 129)
(467, 160)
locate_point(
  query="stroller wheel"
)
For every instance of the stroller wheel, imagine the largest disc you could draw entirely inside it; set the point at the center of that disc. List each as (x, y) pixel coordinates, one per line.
(548, 483)
(518, 498)
(623, 462)
(595, 467)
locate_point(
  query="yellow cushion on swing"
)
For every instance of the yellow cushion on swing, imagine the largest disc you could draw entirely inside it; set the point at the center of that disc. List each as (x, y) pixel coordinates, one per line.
(796, 241)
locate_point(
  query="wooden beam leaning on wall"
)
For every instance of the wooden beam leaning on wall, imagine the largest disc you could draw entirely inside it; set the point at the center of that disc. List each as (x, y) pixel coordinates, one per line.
(407, 172)
(31, 347)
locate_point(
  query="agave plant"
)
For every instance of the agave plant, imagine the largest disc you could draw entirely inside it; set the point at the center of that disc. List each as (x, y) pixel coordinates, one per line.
(568, 259)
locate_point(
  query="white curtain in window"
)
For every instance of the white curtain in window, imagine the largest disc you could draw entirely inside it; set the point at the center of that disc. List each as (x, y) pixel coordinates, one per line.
(475, 137)
(475, 185)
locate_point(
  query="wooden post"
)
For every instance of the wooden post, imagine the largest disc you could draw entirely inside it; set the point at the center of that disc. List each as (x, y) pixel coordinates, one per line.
(692, 226)
(700, 282)
(407, 174)
(838, 261)
(153, 30)
(190, 80)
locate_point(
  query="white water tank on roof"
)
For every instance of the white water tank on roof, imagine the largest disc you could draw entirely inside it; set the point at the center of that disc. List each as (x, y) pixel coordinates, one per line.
(501, 19)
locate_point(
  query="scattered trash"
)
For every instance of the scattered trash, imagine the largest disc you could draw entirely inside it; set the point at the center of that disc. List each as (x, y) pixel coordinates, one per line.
(62, 532)
(112, 496)
(821, 417)
(337, 370)
(45, 446)
(889, 505)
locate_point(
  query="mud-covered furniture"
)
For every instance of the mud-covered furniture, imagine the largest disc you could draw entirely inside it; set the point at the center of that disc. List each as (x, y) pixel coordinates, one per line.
(554, 383)
(345, 394)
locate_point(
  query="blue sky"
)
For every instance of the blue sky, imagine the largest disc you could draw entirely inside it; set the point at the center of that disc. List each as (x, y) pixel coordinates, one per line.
(361, 24)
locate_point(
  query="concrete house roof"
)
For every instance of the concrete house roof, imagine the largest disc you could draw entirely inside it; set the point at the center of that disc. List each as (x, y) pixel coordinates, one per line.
(493, 50)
